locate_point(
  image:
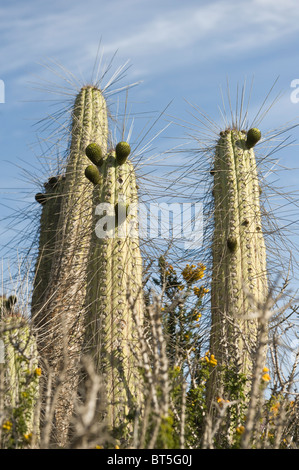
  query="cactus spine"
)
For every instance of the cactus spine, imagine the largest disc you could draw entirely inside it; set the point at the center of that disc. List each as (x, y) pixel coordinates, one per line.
(62, 334)
(239, 255)
(115, 269)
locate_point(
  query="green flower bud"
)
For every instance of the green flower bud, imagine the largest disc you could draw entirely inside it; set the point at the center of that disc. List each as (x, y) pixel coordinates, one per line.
(253, 136)
(122, 151)
(93, 174)
(94, 153)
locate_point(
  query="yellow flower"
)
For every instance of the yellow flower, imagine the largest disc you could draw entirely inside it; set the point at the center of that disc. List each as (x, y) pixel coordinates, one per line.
(7, 425)
(265, 369)
(275, 408)
(99, 447)
(38, 371)
(213, 360)
(221, 401)
(210, 360)
(266, 377)
(240, 429)
(200, 291)
(28, 436)
(193, 273)
(116, 447)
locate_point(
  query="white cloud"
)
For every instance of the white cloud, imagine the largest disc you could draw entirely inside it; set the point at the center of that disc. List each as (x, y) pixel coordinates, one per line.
(152, 34)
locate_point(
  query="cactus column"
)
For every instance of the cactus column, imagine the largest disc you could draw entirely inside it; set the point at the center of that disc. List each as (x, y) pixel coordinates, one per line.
(239, 255)
(61, 335)
(115, 270)
(50, 202)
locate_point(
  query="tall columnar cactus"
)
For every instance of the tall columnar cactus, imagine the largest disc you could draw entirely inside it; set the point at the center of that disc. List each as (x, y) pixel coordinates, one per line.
(50, 201)
(239, 255)
(61, 334)
(21, 374)
(115, 270)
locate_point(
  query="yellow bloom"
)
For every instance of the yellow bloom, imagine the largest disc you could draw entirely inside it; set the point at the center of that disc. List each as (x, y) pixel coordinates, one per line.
(213, 360)
(28, 436)
(193, 273)
(200, 291)
(266, 377)
(99, 447)
(116, 447)
(210, 360)
(221, 401)
(38, 371)
(275, 408)
(7, 425)
(265, 369)
(240, 429)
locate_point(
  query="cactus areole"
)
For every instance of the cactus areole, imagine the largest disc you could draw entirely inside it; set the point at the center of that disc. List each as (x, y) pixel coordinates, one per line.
(239, 255)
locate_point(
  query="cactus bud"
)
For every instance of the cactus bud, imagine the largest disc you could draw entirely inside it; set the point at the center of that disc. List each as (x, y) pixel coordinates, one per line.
(12, 300)
(53, 181)
(232, 244)
(122, 151)
(93, 174)
(94, 153)
(41, 198)
(253, 136)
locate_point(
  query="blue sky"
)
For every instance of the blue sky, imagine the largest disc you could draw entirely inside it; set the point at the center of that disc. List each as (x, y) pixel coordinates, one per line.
(180, 50)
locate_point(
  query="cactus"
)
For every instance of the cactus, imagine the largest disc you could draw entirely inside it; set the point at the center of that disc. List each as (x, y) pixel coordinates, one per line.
(239, 255)
(115, 269)
(21, 379)
(51, 202)
(61, 335)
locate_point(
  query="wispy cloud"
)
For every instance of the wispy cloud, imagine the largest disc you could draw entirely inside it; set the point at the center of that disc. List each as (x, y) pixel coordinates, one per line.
(149, 36)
